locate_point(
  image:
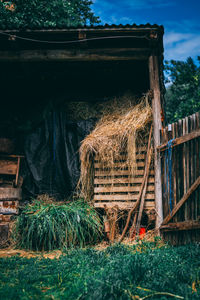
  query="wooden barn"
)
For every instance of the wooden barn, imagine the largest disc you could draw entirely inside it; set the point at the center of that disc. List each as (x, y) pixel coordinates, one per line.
(89, 65)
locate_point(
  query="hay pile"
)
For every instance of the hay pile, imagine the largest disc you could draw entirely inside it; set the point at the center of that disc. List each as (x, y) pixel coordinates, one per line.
(123, 124)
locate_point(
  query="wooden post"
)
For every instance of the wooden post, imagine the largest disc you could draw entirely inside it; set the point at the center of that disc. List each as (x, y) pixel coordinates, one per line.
(156, 106)
(17, 174)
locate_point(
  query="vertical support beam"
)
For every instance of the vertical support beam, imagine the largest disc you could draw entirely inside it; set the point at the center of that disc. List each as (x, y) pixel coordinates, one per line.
(17, 174)
(156, 106)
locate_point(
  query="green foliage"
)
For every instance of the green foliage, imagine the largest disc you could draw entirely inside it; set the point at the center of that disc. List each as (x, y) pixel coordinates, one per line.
(119, 272)
(48, 226)
(183, 95)
(37, 14)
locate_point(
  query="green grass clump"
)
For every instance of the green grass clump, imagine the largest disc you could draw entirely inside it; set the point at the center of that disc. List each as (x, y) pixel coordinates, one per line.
(119, 272)
(50, 225)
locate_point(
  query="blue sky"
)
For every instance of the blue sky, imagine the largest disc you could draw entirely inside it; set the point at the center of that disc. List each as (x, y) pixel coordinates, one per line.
(181, 20)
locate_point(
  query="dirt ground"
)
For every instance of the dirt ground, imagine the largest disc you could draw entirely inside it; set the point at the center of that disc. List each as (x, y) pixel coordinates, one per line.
(11, 251)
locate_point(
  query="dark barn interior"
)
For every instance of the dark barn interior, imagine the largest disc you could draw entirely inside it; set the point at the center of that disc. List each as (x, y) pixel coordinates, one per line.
(27, 88)
(51, 84)
(39, 80)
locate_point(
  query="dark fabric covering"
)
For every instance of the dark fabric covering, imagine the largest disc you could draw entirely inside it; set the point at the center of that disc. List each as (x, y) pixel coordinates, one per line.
(52, 163)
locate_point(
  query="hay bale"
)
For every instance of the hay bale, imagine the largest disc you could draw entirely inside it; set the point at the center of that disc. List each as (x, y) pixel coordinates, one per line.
(121, 127)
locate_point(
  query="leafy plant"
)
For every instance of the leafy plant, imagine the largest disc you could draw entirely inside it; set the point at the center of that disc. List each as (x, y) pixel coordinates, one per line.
(50, 225)
(183, 93)
(46, 14)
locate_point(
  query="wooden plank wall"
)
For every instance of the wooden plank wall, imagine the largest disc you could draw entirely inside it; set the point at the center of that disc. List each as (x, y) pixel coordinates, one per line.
(120, 187)
(185, 170)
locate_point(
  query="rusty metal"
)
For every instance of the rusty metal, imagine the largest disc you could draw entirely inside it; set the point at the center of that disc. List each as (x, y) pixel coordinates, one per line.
(153, 34)
(9, 207)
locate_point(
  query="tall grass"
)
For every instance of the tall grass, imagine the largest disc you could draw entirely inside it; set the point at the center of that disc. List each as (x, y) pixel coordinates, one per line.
(50, 225)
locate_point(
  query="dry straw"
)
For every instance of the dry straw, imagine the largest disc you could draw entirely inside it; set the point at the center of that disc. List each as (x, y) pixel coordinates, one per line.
(123, 125)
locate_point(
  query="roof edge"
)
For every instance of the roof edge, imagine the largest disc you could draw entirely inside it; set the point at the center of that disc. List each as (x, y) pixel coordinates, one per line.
(127, 27)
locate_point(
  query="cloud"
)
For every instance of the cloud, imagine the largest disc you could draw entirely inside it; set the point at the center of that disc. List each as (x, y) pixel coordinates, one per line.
(179, 46)
(173, 38)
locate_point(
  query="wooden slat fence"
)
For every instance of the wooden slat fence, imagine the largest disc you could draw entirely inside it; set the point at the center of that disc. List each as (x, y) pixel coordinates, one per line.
(181, 181)
(117, 187)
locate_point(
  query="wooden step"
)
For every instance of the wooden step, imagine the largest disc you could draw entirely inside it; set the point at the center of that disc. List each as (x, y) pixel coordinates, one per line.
(8, 167)
(122, 180)
(123, 205)
(140, 164)
(10, 193)
(120, 172)
(125, 197)
(118, 189)
(140, 156)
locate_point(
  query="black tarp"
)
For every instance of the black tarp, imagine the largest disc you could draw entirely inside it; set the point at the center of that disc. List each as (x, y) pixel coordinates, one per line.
(51, 150)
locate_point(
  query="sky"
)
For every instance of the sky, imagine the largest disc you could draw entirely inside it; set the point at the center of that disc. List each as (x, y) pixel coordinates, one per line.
(180, 18)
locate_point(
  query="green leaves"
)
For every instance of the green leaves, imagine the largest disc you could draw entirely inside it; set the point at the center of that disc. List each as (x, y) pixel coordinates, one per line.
(48, 226)
(183, 94)
(38, 14)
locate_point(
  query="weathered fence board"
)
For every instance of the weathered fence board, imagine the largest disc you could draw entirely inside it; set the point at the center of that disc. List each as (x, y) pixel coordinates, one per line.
(180, 180)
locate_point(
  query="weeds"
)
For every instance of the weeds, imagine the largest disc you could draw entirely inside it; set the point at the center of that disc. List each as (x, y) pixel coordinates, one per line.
(47, 225)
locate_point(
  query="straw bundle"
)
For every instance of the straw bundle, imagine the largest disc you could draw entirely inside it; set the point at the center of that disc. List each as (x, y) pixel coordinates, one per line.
(116, 133)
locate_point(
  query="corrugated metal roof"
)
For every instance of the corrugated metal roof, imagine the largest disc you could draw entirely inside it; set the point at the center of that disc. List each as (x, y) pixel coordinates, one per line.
(131, 26)
(147, 26)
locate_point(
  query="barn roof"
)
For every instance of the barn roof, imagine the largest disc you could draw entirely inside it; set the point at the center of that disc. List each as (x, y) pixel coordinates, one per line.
(139, 37)
(92, 27)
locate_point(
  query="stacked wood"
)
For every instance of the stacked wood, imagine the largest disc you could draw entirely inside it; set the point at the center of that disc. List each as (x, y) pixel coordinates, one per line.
(10, 165)
(9, 206)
